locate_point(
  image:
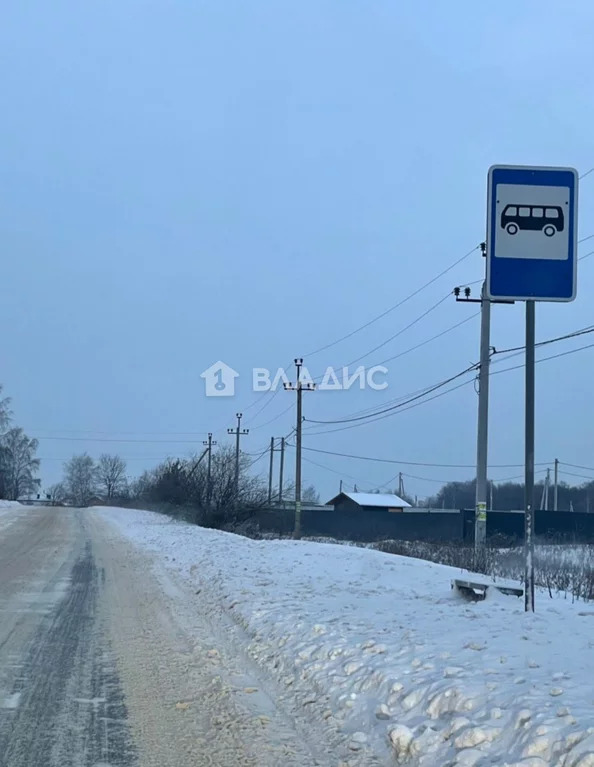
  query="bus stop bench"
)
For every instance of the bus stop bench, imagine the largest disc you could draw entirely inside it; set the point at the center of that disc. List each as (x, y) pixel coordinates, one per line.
(476, 589)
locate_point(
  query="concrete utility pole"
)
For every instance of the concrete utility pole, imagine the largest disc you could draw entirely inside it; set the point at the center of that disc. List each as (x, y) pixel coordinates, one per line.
(482, 438)
(270, 470)
(299, 387)
(210, 442)
(239, 432)
(556, 489)
(281, 471)
(400, 485)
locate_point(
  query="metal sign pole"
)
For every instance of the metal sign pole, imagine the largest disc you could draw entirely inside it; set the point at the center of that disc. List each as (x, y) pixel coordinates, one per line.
(529, 460)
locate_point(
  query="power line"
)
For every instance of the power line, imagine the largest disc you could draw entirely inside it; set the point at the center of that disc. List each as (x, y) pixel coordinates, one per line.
(428, 340)
(580, 476)
(402, 330)
(394, 407)
(420, 463)
(431, 389)
(394, 306)
(574, 334)
(575, 466)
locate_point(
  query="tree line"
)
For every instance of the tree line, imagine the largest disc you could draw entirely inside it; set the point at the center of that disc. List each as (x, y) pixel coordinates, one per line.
(19, 464)
(213, 493)
(509, 496)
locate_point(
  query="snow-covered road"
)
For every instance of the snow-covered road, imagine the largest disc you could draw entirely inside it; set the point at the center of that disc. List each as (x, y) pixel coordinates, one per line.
(374, 655)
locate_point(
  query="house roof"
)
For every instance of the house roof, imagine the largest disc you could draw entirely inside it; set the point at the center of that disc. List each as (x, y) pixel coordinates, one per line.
(387, 500)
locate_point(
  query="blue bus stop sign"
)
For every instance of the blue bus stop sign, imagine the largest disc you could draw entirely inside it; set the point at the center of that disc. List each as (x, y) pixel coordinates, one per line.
(532, 233)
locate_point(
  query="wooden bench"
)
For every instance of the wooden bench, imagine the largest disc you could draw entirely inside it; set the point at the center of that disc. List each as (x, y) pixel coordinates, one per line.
(476, 590)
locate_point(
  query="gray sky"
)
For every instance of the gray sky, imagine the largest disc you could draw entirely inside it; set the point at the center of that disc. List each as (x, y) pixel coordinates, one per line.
(185, 182)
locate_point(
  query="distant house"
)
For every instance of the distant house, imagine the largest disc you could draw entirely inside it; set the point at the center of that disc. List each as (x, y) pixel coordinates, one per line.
(368, 502)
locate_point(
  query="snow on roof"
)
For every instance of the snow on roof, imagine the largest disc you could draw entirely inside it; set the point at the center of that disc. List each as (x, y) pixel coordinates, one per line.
(389, 500)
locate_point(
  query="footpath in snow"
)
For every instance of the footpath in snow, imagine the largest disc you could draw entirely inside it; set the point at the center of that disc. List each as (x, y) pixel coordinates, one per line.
(384, 649)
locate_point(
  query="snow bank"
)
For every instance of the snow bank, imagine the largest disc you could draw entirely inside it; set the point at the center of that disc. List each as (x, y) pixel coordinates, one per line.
(409, 671)
(9, 504)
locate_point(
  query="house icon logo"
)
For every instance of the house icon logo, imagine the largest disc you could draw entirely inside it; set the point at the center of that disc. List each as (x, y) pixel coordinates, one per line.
(219, 380)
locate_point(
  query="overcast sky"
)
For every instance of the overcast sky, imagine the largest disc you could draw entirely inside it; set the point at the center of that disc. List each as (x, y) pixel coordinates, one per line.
(186, 182)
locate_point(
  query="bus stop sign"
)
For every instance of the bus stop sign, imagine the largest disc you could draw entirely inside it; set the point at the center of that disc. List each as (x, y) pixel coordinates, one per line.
(531, 233)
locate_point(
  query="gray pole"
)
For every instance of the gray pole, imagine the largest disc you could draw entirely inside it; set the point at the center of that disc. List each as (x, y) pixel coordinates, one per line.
(299, 388)
(210, 443)
(270, 470)
(480, 514)
(297, 531)
(238, 433)
(237, 456)
(281, 471)
(529, 461)
(556, 492)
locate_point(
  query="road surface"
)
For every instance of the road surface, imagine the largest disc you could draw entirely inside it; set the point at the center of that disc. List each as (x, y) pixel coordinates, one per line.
(103, 664)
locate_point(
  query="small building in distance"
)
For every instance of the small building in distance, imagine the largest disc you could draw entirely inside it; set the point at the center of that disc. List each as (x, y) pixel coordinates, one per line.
(368, 502)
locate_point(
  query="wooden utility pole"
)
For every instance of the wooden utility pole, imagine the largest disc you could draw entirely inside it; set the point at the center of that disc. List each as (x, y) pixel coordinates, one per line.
(239, 432)
(299, 387)
(210, 442)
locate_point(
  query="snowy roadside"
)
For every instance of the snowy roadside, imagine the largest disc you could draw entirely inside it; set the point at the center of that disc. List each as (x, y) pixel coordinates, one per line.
(9, 512)
(411, 671)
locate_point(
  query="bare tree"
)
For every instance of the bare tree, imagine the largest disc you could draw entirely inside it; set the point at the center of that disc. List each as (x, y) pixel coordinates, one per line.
(181, 486)
(5, 414)
(80, 479)
(18, 464)
(310, 495)
(57, 493)
(111, 476)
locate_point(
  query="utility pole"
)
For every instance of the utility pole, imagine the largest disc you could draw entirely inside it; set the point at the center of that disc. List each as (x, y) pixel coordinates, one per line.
(281, 471)
(482, 439)
(340, 491)
(299, 387)
(239, 432)
(210, 443)
(556, 489)
(270, 470)
(400, 485)
(547, 484)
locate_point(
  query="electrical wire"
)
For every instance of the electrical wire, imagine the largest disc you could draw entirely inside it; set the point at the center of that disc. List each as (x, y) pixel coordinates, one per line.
(394, 306)
(579, 476)
(428, 340)
(574, 334)
(575, 466)
(420, 463)
(394, 407)
(370, 417)
(402, 330)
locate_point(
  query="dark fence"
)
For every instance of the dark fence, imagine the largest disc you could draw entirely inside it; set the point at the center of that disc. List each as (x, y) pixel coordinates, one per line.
(548, 525)
(368, 525)
(425, 525)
